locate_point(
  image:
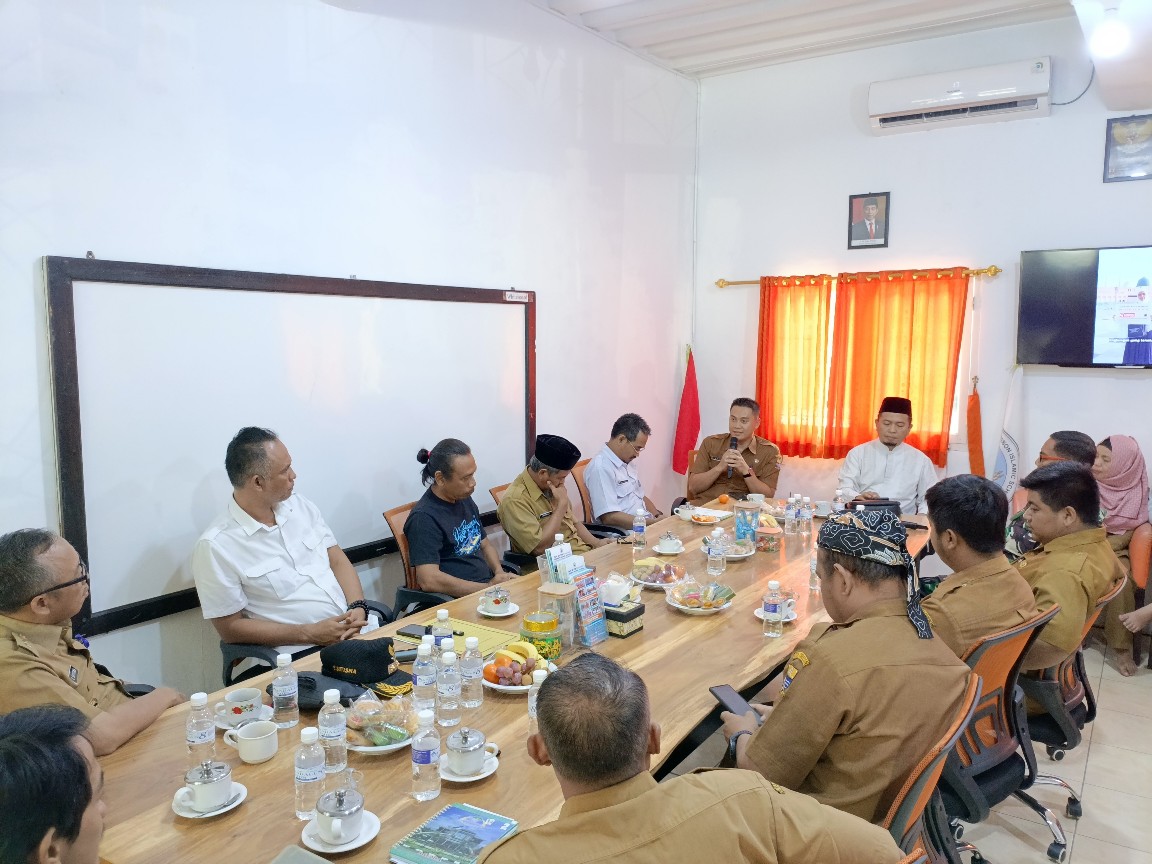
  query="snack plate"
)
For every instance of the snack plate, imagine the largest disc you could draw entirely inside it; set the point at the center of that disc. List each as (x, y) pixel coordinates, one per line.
(733, 556)
(513, 688)
(644, 584)
(695, 610)
(383, 748)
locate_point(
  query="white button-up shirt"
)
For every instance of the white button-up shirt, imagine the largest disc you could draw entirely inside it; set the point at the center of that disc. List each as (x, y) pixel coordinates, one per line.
(613, 484)
(902, 474)
(276, 572)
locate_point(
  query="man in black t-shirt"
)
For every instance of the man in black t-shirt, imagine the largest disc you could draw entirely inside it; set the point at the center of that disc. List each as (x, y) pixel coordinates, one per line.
(446, 542)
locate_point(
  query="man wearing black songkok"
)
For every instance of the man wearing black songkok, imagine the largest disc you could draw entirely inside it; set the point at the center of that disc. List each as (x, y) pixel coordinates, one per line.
(886, 467)
(536, 507)
(864, 698)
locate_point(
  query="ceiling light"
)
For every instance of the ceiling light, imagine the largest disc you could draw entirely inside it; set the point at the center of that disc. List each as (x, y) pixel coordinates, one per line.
(1112, 35)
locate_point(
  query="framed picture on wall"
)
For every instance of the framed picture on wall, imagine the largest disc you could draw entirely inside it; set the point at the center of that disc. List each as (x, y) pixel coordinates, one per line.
(869, 219)
(1128, 149)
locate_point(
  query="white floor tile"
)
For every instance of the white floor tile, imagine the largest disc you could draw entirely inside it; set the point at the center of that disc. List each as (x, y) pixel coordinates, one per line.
(1116, 817)
(1088, 850)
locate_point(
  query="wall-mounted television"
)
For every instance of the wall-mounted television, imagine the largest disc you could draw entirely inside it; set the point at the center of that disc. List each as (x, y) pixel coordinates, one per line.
(1086, 307)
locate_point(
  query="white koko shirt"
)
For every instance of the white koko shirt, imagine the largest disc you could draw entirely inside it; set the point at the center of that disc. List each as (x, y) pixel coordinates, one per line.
(276, 572)
(902, 474)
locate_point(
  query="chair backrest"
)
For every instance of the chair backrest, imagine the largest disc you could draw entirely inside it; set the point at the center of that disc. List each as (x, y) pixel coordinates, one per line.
(1074, 687)
(585, 499)
(1140, 553)
(396, 517)
(691, 462)
(1019, 499)
(904, 819)
(993, 735)
(916, 856)
(497, 492)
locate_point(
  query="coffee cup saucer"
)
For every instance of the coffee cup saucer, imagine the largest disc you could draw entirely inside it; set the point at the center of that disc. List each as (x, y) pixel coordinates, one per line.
(239, 793)
(369, 828)
(788, 618)
(512, 610)
(265, 713)
(669, 552)
(491, 763)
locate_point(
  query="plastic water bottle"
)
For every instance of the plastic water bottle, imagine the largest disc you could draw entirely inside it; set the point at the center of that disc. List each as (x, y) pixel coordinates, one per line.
(839, 502)
(538, 676)
(200, 731)
(429, 640)
(447, 644)
(285, 691)
(440, 629)
(716, 560)
(426, 758)
(472, 674)
(333, 732)
(309, 773)
(424, 679)
(448, 691)
(804, 522)
(791, 511)
(771, 615)
(813, 578)
(639, 540)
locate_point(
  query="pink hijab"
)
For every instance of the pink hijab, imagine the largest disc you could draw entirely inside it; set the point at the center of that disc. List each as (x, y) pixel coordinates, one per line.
(1124, 488)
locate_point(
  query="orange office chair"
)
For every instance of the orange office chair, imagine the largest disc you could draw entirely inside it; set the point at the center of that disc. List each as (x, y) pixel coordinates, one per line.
(905, 819)
(585, 499)
(916, 856)
(409, 597)
(687, 493)
(1139, 553)
(994, 758)
(497, 493)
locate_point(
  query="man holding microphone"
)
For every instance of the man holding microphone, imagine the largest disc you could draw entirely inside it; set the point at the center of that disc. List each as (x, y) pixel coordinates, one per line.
(735, 462)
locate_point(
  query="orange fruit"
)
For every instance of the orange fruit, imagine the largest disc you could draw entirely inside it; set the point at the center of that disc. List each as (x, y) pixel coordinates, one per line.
(723, 499)
(500, 661)
(490, 674)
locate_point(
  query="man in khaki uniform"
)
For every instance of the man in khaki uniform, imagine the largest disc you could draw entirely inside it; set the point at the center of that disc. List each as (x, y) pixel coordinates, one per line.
(753, 465)
(1074, 565)
(984, 594)
(865, 698)
(536, 506)
(42, 585)
(597, 734)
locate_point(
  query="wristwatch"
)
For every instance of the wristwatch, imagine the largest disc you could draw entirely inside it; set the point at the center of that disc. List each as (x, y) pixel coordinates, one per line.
(732, 744)
(749, 474)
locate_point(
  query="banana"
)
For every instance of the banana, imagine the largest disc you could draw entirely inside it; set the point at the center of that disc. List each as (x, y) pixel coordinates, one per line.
(510, 655)
(525, 648)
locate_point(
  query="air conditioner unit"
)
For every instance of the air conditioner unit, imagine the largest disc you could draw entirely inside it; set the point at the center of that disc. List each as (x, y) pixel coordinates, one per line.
(1007, 91)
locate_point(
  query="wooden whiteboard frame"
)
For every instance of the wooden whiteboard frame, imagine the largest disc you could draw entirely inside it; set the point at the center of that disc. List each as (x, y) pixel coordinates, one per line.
(60, 275)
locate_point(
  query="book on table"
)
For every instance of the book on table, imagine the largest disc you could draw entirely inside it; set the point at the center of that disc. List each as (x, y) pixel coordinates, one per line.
(455, 835)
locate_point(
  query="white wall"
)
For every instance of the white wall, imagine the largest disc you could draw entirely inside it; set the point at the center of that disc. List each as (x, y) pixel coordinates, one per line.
(781, 150)
(487, 145)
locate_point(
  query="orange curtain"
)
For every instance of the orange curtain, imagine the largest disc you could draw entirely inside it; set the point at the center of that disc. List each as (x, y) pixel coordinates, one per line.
(792, 361)
(897, 334)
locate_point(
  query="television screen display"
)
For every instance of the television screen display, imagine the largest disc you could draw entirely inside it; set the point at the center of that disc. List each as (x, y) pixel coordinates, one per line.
(1086, 307)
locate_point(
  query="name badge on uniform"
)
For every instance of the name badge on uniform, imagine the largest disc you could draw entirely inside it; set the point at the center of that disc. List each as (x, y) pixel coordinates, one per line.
(73, 675)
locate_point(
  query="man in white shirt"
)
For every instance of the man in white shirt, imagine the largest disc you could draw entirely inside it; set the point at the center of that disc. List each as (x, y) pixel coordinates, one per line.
(269, 570)
(887, 467)
(613, 484)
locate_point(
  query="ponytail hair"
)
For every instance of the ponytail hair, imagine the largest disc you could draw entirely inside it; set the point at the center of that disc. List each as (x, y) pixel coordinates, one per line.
(439, 458)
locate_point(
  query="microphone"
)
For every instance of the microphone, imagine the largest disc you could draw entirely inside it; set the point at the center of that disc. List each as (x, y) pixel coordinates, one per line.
(731, 446)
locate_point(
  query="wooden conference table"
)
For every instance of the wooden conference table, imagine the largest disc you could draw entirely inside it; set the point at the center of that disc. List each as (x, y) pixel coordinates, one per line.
(678, 656)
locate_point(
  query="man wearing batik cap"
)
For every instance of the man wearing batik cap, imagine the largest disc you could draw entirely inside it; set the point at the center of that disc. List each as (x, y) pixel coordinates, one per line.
(886, 467)
(536, 507)
(866, 697)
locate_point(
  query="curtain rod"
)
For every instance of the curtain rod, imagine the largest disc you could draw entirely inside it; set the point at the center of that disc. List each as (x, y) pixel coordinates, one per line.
(983, 271)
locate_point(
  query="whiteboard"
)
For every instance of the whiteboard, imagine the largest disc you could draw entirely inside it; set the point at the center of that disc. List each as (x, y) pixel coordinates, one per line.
(353, 385)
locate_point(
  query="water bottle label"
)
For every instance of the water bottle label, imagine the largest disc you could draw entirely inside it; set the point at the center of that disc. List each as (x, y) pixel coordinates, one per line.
(310, 775)
(638, 529)
(283, 690)
(201, 736)
(426, 680)
(334, 732)
(471, 674)
(772, 610)
(426, 757)
(448, 690)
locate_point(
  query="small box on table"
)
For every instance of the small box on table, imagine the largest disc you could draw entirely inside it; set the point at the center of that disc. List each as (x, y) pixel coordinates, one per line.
(625, 619)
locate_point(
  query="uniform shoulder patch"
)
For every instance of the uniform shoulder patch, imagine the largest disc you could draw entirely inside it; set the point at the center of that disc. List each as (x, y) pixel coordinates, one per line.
(780, 789)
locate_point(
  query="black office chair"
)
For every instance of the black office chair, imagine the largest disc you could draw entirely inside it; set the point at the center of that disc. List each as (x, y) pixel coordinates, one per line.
(235, 652)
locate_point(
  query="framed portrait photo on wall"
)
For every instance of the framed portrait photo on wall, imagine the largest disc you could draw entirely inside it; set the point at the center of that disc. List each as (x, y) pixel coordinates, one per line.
(869, 219)
(1128, 149)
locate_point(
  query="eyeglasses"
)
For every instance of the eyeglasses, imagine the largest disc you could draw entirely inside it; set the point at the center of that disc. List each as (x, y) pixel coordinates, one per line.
(83, 577)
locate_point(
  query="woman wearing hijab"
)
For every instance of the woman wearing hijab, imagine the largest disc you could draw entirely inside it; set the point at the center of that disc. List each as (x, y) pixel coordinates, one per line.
(1122, 479)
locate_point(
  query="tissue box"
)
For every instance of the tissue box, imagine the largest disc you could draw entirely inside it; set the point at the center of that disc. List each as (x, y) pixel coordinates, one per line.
(625, 619)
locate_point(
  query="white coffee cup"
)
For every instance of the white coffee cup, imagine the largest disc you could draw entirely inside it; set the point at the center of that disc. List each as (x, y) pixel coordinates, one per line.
(466, 763)
(667, 544)
(823, 508)
(255, 741)
(206, 790)
(241, 704)
(756, 497)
